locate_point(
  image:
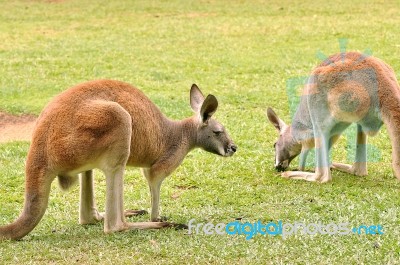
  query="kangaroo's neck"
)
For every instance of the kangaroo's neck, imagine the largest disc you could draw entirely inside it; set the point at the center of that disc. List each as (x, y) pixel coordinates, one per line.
(180, 135)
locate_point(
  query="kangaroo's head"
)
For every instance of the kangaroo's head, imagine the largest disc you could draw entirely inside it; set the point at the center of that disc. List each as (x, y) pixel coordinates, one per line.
(211, 135)
(286, 147)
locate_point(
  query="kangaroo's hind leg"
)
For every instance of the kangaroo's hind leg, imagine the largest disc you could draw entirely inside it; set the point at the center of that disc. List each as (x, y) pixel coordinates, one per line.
(359, 168)
(106, 132)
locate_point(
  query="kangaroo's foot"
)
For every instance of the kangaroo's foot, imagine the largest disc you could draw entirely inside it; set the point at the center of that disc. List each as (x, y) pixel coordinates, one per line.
(308, 176)
(163, 219)
(96, 217)
(358, 169)
(179, 226)
(154, 225)
(91, 218)
(132, 213)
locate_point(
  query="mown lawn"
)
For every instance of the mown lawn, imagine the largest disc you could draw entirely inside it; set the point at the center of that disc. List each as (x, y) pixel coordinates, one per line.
(243, 52)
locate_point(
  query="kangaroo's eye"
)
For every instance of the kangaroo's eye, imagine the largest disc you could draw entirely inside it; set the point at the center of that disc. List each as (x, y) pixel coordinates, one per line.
(217, 133)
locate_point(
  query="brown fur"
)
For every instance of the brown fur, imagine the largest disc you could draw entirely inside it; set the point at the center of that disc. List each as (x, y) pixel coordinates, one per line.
(108, 124)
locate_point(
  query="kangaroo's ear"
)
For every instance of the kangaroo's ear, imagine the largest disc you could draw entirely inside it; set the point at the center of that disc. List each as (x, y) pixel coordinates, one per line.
(274, 119)
(196, 98)
(208, 108)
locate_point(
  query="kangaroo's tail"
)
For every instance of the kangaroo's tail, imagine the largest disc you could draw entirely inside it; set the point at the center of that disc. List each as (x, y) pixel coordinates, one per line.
(37, 189)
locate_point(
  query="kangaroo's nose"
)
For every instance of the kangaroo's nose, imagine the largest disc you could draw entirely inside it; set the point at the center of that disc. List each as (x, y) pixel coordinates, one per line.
(279, 168)
(282, 166)
(233, 148)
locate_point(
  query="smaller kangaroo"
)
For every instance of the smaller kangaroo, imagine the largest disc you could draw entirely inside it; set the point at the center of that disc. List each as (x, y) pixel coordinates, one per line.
(346, 88)
(108, 125)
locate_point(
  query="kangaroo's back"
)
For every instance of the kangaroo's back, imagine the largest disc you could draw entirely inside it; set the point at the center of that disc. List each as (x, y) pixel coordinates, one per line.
(372, 80)
(68, 103)
(71, 113)
(348, 87)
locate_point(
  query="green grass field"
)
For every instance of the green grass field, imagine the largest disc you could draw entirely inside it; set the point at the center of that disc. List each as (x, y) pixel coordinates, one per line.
(243, 52)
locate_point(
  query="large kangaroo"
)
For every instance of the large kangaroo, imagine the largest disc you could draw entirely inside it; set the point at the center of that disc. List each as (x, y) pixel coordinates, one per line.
(346, 88)
(107, 125)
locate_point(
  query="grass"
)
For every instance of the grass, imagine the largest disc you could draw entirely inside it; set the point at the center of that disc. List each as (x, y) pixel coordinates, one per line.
(241, 51)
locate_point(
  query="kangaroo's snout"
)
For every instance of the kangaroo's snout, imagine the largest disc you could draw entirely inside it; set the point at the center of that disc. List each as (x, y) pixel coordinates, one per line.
(231, 149)
(282, 166)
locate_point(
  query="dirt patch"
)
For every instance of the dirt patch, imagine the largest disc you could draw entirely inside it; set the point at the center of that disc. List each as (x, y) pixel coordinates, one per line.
(16, 128)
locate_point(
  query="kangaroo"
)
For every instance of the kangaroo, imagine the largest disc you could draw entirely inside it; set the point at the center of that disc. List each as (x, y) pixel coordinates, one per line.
(344, 89)
(108, 125)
